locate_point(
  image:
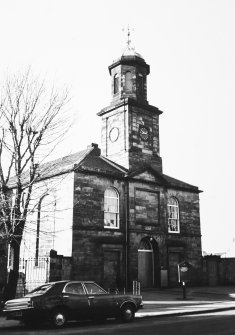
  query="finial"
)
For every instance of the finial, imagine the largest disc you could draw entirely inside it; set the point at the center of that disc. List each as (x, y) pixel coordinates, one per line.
(128, 40)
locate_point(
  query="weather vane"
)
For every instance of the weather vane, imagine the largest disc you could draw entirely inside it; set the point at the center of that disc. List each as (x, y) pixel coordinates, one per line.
(128, 39)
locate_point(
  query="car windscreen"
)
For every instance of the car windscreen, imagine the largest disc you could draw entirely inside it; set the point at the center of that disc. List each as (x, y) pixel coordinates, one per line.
(40, 290)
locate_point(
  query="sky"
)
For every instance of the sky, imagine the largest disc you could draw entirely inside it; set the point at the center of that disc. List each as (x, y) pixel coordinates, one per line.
(190, 47)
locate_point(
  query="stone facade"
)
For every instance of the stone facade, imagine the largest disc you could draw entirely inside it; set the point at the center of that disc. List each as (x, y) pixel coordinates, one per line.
(90, 239)
(111, 257)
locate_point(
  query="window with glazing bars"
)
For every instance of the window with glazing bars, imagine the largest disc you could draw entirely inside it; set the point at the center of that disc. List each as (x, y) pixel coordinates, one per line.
(173, 215)
(111, 208)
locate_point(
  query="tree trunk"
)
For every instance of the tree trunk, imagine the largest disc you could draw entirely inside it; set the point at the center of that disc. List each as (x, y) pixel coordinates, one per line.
(10, 289)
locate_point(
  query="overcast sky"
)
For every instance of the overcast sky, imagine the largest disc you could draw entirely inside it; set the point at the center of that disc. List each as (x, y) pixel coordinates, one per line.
(190, 46)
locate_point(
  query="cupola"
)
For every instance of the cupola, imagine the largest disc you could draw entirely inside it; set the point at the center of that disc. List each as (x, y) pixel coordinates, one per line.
(129, 76)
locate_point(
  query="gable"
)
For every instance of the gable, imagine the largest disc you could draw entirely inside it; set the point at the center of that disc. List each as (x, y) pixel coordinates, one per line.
(149, 174)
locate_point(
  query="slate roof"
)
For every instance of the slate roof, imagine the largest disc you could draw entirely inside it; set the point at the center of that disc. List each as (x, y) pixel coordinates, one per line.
(64, 164)
(102, 165)
(90, 161)
(85, 160)
(175, 183)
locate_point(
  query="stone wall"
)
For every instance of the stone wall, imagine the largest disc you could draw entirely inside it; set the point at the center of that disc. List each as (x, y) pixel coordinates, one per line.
(143, 214)
(90, 239)
(60, 267)
(144, 151)
(183, 246)
(218, 271)
(116, 149)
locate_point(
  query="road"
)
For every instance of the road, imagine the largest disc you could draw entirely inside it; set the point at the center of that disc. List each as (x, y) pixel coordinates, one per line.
(222, 323)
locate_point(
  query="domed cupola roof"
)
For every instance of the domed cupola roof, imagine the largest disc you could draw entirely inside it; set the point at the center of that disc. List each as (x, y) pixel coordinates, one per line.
(129, 51)
(130, 56)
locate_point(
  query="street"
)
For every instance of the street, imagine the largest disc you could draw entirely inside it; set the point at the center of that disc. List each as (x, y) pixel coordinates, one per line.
(203, 324)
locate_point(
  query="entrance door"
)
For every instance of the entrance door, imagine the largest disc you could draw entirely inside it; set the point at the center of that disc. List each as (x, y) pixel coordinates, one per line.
(145, 264)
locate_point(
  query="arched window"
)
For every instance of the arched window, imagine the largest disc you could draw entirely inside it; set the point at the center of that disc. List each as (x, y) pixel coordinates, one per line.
(45, 226)
(128, 81)
(38, 229)
(111, 208)
(173, 215)
(141, 83)
(115, 84)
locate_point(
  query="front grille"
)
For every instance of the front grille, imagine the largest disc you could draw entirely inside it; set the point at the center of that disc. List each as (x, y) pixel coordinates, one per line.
(17, 304)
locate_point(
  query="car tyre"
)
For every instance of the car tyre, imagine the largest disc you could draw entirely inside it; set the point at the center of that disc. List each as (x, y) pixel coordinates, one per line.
(58, 318)
(127, 313)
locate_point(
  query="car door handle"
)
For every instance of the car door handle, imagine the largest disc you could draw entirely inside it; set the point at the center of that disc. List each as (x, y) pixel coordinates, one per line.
(91, 297)
(65, 296)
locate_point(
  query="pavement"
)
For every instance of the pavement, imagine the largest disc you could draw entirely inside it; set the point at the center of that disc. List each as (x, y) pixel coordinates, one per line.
(172, 302)
(169, 302)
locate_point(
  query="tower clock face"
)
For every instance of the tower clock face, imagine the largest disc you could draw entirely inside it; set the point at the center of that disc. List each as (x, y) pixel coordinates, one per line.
(114, 134)
(144, 133)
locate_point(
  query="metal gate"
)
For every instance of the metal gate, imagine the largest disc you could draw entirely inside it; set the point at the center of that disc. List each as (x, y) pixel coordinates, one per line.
(33, 272)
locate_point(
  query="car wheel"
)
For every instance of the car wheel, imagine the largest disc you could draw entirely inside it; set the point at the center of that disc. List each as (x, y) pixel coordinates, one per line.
(59, 318)
(127, 313)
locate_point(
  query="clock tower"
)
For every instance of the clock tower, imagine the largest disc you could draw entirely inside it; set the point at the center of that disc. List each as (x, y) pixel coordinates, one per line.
(130, 126)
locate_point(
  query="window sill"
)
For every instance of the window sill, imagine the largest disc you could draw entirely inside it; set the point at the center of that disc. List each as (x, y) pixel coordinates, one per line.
(113, 228)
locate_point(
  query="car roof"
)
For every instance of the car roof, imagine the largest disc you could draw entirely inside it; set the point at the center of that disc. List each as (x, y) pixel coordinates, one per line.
(70, 281)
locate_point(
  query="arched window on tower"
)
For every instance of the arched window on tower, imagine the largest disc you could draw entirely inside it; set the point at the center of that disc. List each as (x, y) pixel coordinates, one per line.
(128, 81)
(111, 208)
(141, 84)
(115, 84)
(173, 215)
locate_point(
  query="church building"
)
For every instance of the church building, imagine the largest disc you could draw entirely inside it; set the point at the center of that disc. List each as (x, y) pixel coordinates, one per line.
(125, 220)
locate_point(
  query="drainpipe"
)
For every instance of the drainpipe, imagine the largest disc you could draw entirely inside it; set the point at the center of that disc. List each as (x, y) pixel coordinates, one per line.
(126, 230)
(126, 199)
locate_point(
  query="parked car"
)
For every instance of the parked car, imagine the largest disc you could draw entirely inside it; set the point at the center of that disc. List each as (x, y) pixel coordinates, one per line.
(61, 301)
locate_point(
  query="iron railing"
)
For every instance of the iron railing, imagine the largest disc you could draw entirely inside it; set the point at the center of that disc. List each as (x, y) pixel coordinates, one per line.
(33, 272)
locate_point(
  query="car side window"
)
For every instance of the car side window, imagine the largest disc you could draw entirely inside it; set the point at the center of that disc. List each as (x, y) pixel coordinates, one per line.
(74, 288)
(94, 289)
(56, 288)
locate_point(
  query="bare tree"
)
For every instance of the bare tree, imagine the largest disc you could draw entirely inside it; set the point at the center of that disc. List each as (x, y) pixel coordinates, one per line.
(32, 122)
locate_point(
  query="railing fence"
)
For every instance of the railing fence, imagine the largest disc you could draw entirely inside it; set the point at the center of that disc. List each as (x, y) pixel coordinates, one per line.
(33, 272)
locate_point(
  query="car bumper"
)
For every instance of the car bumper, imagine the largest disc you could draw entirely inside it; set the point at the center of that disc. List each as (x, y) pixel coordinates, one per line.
(29, 313)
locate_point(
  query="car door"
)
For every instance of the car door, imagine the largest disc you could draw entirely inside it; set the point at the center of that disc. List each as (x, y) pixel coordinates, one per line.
(101, 303)
(76, 300)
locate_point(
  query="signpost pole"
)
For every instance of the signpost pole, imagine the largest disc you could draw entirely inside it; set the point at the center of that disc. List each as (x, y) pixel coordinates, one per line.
(184, 290)
(184, 274)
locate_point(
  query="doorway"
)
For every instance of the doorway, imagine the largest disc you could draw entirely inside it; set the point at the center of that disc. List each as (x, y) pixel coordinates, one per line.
(146, 263)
